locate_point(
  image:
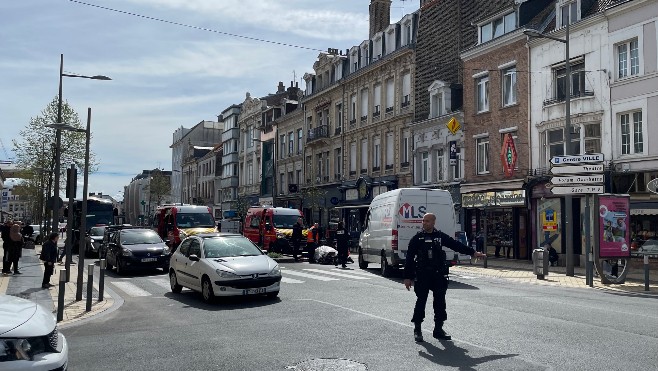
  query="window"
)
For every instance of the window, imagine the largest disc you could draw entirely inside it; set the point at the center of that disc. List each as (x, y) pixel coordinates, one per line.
(299, 177)
(554, 143)
(377, 99)
(364, 155)
(406, 89)
(300, 143)
(250, 172)
(439, 98)
(632, 140)
(424, 167)
(498, 27)
(390, 41)
(364, 55)
(377, 48)
(390, 95)
(436, 105)
(353, 157)
(628, 60)
(291, 180)
(353, 108)
(326, 165)
(291, 143)
(568, 13)
(364, 104)
(389, 150)
(404, 156)
(319, 169)
(439, 164)
(354, 61)
(282, 146)
(338, 162)
(509, 86)
(482, 93)
(482, 149)
(592, 138)
(406, 33)
(250, 137)
(339, 118)
(376, 149)
(282, 182)
(577, 81)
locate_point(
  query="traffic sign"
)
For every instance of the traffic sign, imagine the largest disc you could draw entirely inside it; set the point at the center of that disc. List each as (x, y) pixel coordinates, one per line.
(577, 169)
(577, 189)
(577, 159)
(652, 186)
(453, 125)
(577, 179)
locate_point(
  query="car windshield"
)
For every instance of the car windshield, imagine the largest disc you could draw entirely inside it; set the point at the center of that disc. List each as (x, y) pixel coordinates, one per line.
(194, 220)
(97, 231)
(139, 237)
(224, 247)
(285, 221)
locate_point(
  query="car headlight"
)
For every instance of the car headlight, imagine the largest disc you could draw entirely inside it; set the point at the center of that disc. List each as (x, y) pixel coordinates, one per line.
(21, 349)
(225, 274)
(165, 250)
(126, 252)
(276, 271)
(280, 235)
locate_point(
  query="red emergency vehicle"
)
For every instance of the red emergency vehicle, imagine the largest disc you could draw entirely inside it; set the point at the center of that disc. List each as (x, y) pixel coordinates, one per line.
(271, 228)
(175, 222)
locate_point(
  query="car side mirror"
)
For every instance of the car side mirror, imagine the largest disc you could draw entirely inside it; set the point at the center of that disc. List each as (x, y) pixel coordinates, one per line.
(194, 258)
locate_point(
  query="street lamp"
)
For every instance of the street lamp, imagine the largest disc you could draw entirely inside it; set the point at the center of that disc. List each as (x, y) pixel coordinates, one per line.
(567, 129)
(272, 142)
(58, 135)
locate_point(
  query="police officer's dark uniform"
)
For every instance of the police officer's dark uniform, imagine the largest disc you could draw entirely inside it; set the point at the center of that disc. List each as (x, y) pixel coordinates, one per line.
(296, 239)
(426, 265)
(342, 243)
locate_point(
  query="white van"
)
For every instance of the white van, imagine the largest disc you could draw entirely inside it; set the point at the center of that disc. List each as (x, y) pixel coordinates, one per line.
(394, 217)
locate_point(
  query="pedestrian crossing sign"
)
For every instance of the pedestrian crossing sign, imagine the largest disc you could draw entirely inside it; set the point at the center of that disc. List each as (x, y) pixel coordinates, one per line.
(453, 125)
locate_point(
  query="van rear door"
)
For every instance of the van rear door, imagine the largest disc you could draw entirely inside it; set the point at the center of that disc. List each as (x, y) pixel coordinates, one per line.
(411, 207)
(440, 203)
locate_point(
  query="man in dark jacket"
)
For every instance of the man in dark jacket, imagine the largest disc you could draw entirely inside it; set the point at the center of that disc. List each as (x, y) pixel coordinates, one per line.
(6, 241)
(342, 244)
(425, 268)
(297, 237)
(49, 257)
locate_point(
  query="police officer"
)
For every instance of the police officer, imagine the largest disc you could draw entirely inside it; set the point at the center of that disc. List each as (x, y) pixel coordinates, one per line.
(342, 244)
(297, 236)
(425, 268)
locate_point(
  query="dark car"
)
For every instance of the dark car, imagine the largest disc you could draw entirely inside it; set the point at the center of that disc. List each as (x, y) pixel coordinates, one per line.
(137, 248)
(94, 241)
(108, 232)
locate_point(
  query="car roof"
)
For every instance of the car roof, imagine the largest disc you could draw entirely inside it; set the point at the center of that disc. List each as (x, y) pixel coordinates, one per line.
(216, 234)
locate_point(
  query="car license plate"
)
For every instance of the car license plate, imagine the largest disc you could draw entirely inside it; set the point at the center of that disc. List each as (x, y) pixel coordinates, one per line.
(260, 290)
(149, 260)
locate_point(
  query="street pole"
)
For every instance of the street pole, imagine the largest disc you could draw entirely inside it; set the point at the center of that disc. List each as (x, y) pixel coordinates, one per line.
(568, 201)
(58, 138)
(83, 215)
(68, 245)
(274, 174)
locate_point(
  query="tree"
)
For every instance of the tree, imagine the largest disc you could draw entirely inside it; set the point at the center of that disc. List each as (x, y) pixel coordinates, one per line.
(35, 151)
(159, 186)
(242, 207)
(314, 197)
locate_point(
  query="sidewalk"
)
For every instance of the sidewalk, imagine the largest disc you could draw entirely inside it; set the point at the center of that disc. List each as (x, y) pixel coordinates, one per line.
(28, 286)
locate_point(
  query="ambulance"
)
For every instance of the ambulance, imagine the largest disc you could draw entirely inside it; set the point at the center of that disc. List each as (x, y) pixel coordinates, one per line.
(271, 228)
(175, 222)
(394, 217)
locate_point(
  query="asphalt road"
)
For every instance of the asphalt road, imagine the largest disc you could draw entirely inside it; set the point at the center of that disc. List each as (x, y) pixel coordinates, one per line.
(336, 319)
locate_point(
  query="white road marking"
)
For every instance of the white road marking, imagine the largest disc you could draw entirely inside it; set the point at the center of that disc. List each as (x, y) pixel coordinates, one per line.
(131, 289)
(354, 271)
(332, 273)
(162, 282)
(290, 280)
(311, 276)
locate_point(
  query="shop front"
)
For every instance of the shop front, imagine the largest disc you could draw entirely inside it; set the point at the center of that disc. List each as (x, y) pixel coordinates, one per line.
(502, 219)
(644, 220)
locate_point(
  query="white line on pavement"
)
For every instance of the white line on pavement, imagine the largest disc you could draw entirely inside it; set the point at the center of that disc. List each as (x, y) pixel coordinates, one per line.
(332, 273)
(131, 289)
(354, 271)
(162, 282)
(311, 276)
(290, 280)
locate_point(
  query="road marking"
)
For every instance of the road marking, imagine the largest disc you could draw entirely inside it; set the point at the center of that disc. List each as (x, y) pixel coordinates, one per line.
(311, 276)
(332, 273)
(353, 271)
(131, 289)
(162, 282)
(290, 280)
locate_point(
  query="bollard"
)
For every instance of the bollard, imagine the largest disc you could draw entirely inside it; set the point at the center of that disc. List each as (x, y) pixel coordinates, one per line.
(646, 272)
(484, 261)
(60, 295)
(101, 279)
(90, 284)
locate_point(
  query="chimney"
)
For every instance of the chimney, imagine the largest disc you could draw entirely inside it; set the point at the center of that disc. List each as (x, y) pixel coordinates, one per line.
(380, 15)
(281, 88)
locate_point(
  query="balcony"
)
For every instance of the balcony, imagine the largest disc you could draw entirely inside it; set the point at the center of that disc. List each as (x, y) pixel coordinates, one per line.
(364, 171)
(562, 98)
(230, 158)
(320, 132)
(229, 182)
(337, 131)
(389, 167)
(233, 133)
(376, 168)
(389, 109)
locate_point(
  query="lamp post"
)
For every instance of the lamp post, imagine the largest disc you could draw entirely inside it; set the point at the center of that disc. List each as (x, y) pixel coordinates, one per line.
(58, 136)
(271, 142)
(568, 230)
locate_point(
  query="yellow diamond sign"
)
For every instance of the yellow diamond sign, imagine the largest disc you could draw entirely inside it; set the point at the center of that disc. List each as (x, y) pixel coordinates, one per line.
(453, 125)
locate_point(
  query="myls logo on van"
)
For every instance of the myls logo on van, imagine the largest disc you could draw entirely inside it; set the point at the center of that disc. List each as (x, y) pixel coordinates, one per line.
(412, 212)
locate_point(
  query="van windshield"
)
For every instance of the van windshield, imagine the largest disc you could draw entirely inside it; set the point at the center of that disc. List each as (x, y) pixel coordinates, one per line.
(285, 221)
(194, 220)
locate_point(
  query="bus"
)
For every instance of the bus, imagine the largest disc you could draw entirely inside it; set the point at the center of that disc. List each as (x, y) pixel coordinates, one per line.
(100, 212)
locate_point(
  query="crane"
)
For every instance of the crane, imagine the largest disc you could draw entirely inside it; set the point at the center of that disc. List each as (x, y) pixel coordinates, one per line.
(7, 159)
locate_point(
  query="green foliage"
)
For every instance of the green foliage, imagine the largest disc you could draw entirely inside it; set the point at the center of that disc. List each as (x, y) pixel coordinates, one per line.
(159, 187)
(313, 196)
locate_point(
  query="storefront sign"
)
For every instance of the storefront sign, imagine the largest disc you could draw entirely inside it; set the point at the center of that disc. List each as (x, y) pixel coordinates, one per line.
(351, 194)
(613, 220)
(453, 153)
(508, 155)
(501, 198)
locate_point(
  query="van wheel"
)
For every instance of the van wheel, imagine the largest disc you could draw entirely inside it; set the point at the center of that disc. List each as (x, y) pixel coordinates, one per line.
(386, 269)
(362, 263)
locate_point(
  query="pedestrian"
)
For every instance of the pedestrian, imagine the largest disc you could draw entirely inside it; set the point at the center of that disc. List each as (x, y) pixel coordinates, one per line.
(49, 256)
(312, 239)
(6, 242)
(297, 236)
(553, 257)
(16, 243)
(426, 269)
(27, 232)
(342, 244)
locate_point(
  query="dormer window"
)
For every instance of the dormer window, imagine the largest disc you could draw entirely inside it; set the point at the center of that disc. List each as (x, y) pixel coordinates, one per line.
(354, 61)
(377, 48)
(390, 40)
(497, 27)
(568, 12)
(407, 32)
(439, 98)
(364, 55)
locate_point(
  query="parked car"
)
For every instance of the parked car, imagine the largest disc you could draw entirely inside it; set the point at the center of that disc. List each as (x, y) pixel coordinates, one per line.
(108, 232)
(223, 264)
(137, 248)
(649, 247)
(94, 241)
(29, 338)
(36, 235)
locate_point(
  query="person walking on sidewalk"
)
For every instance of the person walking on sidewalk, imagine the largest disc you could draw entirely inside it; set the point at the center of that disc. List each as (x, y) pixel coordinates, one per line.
(425, 268)
(6, 242)
(49, 257)
(16, 243)
(342, 244)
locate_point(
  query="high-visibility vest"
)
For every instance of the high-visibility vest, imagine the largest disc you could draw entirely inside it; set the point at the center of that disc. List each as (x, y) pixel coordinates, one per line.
(310, 235)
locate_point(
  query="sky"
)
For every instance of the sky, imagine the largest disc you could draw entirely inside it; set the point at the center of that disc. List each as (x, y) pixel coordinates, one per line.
(173, 63)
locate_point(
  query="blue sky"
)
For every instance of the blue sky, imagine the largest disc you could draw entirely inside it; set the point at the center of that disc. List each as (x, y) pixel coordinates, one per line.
(163, 75)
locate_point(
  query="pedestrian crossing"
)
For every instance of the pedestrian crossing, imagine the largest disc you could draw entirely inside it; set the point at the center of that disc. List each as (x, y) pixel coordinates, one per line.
(157, 286)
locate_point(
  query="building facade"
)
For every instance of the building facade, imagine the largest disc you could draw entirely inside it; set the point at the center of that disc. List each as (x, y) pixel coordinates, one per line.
(229, 180)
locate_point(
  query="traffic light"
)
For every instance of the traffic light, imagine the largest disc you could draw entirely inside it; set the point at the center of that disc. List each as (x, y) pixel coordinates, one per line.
(71, 182)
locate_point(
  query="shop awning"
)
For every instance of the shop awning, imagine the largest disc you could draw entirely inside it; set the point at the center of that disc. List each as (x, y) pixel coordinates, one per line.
(644, 208)
(352, 207)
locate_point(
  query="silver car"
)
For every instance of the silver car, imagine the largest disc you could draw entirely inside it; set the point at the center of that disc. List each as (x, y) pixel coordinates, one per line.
(223, 264)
